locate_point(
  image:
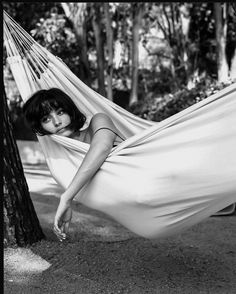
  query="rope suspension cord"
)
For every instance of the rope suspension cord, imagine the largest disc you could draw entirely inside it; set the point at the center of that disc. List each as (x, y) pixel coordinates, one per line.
(19, 43)
(164, 177)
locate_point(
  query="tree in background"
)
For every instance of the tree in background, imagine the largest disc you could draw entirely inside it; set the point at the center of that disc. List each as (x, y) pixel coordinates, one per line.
(109, 42)
(171, 22)
(21, 225)
(121, 18)
(96, 12)
(213, 39)
(221, 12)
(76, 12)
(233, 66)
(137, 12)
(231, 40)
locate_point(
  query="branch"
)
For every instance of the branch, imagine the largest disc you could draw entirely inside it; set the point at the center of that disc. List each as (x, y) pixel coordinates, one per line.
(167, 18)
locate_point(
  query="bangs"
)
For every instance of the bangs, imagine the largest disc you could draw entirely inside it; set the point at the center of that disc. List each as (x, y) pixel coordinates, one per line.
(47, 106)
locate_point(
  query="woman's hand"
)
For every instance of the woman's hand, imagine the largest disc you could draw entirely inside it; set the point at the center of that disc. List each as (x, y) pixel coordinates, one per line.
(62, 218)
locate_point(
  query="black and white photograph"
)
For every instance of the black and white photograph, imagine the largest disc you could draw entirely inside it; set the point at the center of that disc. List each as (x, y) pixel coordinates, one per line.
(119, 147)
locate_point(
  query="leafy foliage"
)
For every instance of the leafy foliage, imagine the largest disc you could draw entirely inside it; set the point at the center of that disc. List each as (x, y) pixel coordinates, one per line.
(55, 34)
(161, 107)
(27, 14)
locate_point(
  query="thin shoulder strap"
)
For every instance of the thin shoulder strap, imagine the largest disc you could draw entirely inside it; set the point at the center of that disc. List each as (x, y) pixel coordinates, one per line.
(110, 130)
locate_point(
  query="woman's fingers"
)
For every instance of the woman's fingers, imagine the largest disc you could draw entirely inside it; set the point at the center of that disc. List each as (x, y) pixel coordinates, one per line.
(66, 226)
(60, 236)
(59, 232)
(61, 224)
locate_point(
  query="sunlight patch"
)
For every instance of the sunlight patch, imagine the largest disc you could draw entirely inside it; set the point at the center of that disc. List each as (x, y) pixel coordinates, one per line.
(23, 261)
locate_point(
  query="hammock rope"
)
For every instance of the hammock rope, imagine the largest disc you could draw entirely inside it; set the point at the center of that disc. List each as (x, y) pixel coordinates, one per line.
(165, 177)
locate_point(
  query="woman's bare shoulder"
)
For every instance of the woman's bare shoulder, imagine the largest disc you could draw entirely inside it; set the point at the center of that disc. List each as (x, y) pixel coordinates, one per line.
(101, 120)
(100, 116)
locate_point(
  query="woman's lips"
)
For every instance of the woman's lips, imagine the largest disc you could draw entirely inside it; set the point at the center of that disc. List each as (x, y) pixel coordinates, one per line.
(61, 130)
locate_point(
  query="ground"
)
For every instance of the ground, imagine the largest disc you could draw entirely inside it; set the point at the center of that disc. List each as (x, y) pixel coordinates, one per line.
(103, 257)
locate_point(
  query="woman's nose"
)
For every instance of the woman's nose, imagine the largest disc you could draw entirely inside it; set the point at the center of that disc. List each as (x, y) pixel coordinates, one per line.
(56, 121)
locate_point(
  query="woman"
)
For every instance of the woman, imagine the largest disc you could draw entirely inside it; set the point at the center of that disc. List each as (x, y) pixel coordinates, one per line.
(53, 112)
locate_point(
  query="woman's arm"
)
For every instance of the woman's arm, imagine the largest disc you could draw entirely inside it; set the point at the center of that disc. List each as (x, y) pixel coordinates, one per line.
(100, 147)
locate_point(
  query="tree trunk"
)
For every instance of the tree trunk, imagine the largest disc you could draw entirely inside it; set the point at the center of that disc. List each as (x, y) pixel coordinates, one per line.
(137, 16)
(21, 225)
(109, 33)
(233, 67)
(221, 32)
(76, 13)
(96, 7)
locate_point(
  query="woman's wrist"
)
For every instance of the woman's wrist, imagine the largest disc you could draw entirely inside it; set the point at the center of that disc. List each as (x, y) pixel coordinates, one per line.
(67, 197)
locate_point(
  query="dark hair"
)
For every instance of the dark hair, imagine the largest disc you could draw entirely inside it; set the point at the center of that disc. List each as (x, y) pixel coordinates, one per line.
(43, 102)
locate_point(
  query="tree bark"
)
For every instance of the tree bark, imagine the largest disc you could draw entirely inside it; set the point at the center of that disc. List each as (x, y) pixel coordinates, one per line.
(109, 34)
(137, 16)
(21, 225)
(76, 13)
(96, 7)
(221, 32)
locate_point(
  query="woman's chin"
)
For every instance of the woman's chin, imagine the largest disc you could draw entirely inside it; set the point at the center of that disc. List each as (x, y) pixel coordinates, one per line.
(65, 132)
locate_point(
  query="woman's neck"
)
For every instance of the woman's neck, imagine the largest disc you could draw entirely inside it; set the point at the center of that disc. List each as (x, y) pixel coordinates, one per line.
(80, 135)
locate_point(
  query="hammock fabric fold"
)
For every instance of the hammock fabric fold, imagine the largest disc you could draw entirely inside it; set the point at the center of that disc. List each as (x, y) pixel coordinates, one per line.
(165, 177)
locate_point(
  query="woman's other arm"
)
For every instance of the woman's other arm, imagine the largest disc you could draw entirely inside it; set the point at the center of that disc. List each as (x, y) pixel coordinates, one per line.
(100, 147)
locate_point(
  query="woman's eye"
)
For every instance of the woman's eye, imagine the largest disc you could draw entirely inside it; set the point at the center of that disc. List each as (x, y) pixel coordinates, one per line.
(45, 119)
(60, 112)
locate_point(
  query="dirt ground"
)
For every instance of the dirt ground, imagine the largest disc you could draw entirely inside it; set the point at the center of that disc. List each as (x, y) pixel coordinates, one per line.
(103, 257)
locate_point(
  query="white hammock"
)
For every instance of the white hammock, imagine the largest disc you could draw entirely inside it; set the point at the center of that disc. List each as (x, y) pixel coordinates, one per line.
(165, 177)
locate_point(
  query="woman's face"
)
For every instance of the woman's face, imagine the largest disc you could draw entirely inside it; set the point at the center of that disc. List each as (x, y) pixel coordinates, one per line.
(57, 122)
